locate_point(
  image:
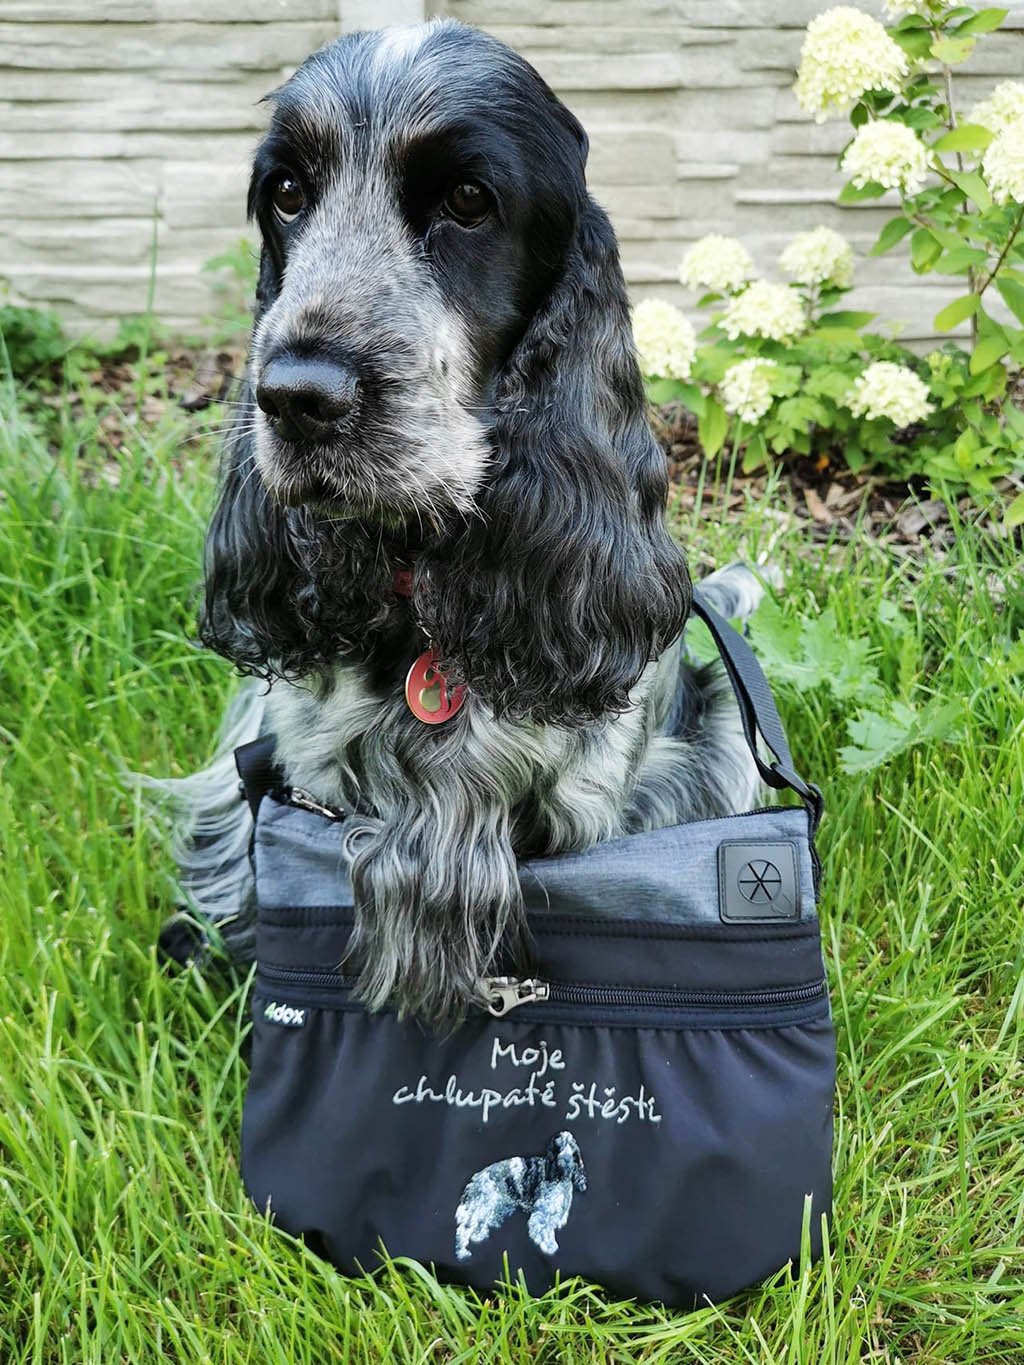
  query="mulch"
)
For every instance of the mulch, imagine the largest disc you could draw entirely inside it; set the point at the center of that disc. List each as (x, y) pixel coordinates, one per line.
(823, 500)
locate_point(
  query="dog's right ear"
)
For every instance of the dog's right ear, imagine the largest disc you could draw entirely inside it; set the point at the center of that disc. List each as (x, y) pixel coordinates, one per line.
(250, 567)
(268, 283)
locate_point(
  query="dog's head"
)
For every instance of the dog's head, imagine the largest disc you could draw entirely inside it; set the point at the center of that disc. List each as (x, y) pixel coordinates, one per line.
(442, 358)
(564, 1162)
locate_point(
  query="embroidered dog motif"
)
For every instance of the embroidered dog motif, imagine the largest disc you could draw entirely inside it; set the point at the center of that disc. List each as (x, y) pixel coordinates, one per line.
(541, 1186)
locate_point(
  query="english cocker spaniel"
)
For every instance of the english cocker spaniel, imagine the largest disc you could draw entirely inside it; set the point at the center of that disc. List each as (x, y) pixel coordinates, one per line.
(440, 534)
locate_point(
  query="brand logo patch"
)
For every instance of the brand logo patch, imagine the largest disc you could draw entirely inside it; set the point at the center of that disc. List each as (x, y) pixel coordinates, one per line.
(760, 882)
(287, 1015)
(757, 881)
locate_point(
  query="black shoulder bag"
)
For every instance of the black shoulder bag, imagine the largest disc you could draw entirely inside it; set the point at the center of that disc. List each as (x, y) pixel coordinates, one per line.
(651, 1107)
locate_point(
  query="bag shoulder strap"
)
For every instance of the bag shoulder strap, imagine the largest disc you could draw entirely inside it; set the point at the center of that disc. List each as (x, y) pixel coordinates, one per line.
(257, 769)
(758, 713)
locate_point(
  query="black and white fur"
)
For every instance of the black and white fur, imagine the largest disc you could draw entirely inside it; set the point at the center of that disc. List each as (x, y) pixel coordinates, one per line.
(540, 1186)
(498, 444)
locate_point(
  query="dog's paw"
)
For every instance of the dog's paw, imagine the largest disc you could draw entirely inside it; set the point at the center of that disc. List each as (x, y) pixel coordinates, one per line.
(736, 591)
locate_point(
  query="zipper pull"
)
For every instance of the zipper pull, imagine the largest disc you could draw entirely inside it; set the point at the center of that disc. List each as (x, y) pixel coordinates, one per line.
(297, 796)
(506, 993)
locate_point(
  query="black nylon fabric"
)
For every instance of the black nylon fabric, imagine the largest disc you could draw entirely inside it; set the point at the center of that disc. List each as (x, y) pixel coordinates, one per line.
(700, 1131)
(661, 1124)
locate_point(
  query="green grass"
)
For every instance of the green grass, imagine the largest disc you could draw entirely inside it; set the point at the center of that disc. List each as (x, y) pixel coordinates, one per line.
(124, 1232)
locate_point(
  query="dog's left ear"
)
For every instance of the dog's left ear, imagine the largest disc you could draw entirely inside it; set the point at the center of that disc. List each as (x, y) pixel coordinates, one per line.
(553, 601)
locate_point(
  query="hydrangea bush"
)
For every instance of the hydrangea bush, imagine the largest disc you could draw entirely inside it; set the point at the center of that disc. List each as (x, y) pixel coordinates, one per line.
(784, 366)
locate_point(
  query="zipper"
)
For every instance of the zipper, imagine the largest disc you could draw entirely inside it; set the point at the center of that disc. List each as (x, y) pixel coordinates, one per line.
(505, 993)
(298, 796)
(304, 976)
(501, 995)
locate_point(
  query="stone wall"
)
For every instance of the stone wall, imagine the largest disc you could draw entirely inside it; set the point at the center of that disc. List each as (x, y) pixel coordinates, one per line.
(129, 122)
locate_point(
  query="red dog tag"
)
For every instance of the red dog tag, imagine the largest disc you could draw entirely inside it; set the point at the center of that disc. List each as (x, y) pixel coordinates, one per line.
(426, 691)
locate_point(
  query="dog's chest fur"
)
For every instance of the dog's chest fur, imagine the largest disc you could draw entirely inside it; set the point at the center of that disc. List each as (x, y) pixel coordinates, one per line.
(351, 740)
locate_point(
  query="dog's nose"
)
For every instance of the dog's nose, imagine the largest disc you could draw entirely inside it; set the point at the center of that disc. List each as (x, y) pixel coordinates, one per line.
(307, 399)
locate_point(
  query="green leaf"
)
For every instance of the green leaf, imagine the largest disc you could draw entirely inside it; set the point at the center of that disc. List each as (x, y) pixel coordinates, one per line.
(915, 42)
(813, 653)
(837, 336)
(850, 194)
(1014, 419)
(920, 118)
(950, 51)
(969, 137)
(985, 21)
(755, 454)
(1014, 514)
(668, 391)
(924, 250)
(956, 312)
(877, 738)
(713, 361)
(893, 231)
(988, 351)
(849, 318)
(1013, 296)
(842, 663)
(960, 260)
(974, 187)
(712, 426)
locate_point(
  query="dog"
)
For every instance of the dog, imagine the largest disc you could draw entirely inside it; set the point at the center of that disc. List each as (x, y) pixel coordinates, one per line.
(442, 459)
(540, 1186)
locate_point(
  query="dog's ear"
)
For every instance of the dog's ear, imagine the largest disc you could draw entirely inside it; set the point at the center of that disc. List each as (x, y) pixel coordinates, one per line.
(250, 570)
(268, 283)
(284, 595)
(553, 1159)
(553, 601)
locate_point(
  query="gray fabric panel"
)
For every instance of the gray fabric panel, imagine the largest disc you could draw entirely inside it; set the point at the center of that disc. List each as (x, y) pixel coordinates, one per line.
(670, 875)
(300, 858)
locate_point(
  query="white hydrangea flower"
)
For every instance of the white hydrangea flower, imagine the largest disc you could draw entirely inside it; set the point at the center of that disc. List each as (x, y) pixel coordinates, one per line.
(845, 53)
(889, 390)
(888, 153)
(665, 341)
(820, 256)
(1003, 164)
(1005, 105)
(746, 388)
(718, 263)
(767, 310)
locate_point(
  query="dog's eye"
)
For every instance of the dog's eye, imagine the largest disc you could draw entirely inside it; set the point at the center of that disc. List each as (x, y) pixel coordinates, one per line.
(288, 199)
(468, 203)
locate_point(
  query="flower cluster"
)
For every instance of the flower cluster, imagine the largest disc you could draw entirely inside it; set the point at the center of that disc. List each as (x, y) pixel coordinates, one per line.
(746, 388)
(889, 154)
(845, 53)
(665, 341)
(1003, 164)
(766, 310)
(820, 256)
(1005, 105)
(718, 263)
(892, 391)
